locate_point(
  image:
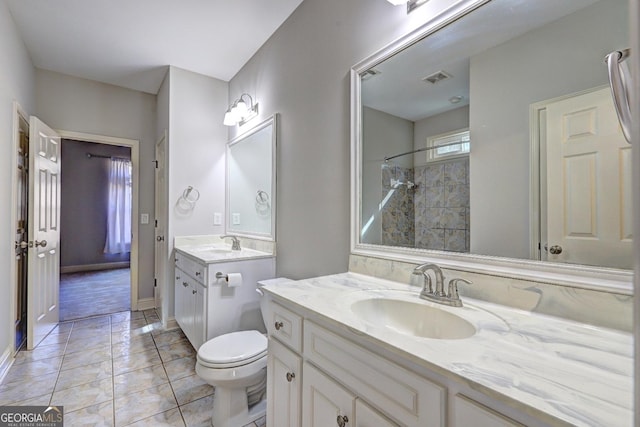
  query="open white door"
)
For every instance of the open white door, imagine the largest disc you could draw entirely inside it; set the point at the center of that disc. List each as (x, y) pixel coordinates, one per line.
(160, 225)
(43, 287)
(589, 216)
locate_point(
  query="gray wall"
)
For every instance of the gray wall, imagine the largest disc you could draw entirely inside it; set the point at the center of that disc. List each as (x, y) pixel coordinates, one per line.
(84, 199)
(16, 84)
(74, 104)
(302, 72)
(505, 80)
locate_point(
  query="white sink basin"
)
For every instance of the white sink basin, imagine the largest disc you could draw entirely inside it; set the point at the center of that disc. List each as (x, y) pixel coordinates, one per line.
(413, 318)
(212, 250)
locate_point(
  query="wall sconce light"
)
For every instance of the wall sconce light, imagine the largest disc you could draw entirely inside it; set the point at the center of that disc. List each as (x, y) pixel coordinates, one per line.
(411, 4)
(239, 112)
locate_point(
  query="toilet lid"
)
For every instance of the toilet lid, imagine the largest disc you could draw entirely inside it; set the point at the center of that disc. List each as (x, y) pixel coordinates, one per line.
(236, 348)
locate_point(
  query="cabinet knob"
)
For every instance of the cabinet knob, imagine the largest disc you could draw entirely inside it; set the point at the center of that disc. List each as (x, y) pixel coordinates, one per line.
(279, 325)
(185, 284)
(197, 273)
(342, 420)
(194, 292)
(290, 376)
(177, 277)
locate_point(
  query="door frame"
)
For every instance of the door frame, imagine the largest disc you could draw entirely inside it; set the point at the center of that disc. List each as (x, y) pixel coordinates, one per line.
(161, 282)
(134, 145)
(18, 113)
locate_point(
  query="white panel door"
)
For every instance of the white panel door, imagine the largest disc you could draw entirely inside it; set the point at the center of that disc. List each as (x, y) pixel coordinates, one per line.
(366, 416)
(325, 403)
(284, 379)
(160, 269)
(588, 183)
(44, 232)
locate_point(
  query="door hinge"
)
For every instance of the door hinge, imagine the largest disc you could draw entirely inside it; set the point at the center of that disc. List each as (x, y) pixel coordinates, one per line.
(156, 223)
(156, 163)
(155, 283)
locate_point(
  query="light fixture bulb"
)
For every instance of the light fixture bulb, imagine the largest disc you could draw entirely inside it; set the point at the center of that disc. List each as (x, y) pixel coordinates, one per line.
(241, 109)
(229, 119)
(397, 2)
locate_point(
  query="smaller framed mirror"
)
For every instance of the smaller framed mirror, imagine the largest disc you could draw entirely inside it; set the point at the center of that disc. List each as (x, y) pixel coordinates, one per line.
(251, 182)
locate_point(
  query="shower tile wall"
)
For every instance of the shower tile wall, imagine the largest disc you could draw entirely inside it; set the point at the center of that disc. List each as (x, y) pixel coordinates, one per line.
(441, 203)
(398, 221)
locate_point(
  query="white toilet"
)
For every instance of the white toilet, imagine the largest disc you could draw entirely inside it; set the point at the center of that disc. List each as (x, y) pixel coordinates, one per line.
(236, 365)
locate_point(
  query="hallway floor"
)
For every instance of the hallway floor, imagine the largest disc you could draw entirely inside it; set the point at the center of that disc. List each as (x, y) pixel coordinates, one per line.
(92, 293)
(115, 370)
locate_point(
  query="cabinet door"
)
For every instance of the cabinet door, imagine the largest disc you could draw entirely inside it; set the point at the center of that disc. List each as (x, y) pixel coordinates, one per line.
(284, 377)
(199, 298)
(369, 417)
(469, 413)
(325, 403)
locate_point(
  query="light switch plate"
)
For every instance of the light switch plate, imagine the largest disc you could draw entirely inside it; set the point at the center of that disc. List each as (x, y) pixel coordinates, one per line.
(144, 218)
(236, 218)
(217, 218)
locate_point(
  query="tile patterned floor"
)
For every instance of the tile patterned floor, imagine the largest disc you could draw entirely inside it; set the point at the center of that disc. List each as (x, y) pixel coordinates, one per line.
(115, 370)
(93, 293)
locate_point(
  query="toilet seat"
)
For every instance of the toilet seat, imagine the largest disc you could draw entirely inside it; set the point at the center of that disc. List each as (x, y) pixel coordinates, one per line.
(233, 350)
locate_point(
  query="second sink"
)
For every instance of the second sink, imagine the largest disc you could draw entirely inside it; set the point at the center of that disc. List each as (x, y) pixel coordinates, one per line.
(413, 318)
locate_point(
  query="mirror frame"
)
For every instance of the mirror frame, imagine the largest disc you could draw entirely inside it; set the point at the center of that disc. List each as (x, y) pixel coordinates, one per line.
(573, 275)
(271, 236)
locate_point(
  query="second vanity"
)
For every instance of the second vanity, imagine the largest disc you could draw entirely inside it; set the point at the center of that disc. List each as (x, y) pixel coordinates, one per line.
(205, 305)
(342, 353)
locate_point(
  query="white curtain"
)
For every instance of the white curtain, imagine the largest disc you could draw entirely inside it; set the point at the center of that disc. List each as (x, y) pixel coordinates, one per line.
(119, 208)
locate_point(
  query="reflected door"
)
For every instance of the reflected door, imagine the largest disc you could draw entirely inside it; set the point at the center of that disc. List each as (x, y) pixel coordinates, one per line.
(44, 230)
(588, 183)
(160, 226)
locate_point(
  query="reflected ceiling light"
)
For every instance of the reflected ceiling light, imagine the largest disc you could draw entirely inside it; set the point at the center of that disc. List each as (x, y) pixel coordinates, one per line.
(411, 4)
(239, 112)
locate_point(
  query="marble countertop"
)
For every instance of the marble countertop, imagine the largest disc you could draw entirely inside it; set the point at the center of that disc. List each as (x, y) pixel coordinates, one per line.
(557, 370)
(209, 254)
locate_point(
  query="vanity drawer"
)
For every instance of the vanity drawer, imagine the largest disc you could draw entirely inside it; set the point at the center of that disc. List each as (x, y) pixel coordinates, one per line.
(286, 326)
(396, 391)
(192, 268)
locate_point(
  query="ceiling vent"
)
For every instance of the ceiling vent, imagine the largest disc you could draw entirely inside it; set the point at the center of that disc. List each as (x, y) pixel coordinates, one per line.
(369, 74)
(437, 77)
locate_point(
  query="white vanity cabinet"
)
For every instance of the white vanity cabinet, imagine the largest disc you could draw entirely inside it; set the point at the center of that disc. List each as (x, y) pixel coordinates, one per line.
(206, 306)
(469, 413)
(284, 386)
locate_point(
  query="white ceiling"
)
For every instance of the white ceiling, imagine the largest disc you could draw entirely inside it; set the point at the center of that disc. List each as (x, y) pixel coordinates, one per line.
(129, 43)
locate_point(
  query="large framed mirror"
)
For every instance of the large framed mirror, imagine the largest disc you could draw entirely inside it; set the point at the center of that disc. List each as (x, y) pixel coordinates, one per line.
(251, 182)
(488, 140)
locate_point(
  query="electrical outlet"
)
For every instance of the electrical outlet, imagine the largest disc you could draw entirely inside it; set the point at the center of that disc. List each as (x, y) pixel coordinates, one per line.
(217, 218)
(236, 218)
(144, 218)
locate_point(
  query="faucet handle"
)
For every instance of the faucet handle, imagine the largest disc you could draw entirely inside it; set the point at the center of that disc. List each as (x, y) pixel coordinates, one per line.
(453, 287)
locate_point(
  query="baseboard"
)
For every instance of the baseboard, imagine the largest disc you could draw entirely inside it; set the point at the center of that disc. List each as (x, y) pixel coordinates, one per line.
(146, 304)
(6, 360)
(94, 267)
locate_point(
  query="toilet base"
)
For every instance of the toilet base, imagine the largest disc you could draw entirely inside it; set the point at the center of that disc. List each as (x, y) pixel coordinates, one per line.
(230, 408)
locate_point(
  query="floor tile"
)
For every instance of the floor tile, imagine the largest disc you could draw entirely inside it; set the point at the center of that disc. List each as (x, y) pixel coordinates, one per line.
(180, 368)
(169, 337)
(88, 357)
(83, 375)
(43, 400)
(191, 388)
(261, 422)
(19, 391)
(176, 350)
(39, 353)
(198, 413)
(126, 315)
(144, 404)
(87, 343)
(32, 370)
(84, 395)
(139, 380)
(172, 418)
(136, 361)
(91, 322)
(62, 328)
(128, 325)
(142, 343)
(52, 339)
(100, 415)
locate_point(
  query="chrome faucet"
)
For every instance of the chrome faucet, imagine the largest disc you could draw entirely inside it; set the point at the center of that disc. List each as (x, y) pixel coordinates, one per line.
(451, 298)
(235, 245)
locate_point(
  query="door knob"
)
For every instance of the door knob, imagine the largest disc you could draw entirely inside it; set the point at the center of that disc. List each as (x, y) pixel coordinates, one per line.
(160, 238)
(279, 325)
(555, 250)
(342, 420)
(22, 245)
(42, 243)
(290, 376)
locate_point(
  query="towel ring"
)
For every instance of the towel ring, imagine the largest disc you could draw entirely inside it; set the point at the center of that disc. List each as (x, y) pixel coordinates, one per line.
(190, 194)
(262, 197)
